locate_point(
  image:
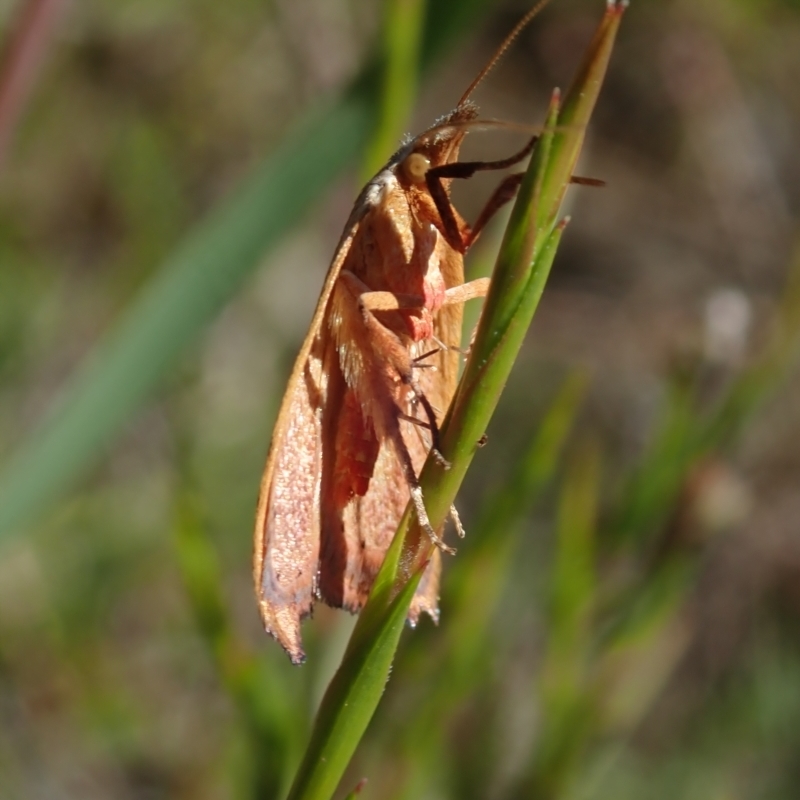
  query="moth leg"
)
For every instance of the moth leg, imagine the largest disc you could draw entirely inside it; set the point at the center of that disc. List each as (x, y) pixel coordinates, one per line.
(415, 491)
(436, 442)
(417, 360)
(457, 522)
(466, 291)
(460, 294)
(504, 193)
(434, 445)
(370, 301)
(425, 523)
(441, 347)
(579, 180)
(415, 421)
(460, 237)
(389, 301)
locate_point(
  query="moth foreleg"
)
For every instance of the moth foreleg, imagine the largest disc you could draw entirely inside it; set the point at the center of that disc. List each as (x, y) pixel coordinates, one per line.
(466, 291)
(389, 301)
(466, 169)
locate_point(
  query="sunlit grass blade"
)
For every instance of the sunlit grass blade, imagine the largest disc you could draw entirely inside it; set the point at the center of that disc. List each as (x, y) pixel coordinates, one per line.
(523, 265)
(351, 699)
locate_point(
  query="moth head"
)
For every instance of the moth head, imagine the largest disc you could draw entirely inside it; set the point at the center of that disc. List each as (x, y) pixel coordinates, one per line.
(439, 144)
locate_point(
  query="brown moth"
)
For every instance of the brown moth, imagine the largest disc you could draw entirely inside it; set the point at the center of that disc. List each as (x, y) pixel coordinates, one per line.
(372, 382)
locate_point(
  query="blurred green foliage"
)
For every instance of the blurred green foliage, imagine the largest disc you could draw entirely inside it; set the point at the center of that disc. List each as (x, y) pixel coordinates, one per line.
(622, 619)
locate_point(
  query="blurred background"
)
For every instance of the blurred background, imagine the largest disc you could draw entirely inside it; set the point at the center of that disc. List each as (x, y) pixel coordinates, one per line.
(623, 618)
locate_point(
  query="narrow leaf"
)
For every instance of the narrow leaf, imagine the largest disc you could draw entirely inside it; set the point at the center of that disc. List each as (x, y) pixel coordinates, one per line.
(522, 268)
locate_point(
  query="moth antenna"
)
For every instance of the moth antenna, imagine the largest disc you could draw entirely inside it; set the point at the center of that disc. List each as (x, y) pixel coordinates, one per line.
(486, 124)
(502, 49)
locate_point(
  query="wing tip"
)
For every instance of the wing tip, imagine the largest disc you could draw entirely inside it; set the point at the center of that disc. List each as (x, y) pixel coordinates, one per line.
(284, 626)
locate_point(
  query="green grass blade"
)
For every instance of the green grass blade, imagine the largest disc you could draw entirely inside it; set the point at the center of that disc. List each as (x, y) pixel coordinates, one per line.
(522, 268)
(353, 695)
(350, 702)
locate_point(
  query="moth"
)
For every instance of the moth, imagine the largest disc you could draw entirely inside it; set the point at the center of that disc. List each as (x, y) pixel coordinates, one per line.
(372, 382)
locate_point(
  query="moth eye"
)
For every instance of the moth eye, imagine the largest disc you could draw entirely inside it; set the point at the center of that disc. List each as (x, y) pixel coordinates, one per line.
(415, 167)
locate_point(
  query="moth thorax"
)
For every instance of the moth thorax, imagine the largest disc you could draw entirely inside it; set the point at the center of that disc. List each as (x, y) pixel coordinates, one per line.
(415, 165)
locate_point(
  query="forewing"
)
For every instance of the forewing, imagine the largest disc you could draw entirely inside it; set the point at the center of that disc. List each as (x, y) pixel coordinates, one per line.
(287, 530)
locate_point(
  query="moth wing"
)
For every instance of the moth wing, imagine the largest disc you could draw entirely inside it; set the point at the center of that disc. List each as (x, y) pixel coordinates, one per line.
(355, 538)
(287, 528)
